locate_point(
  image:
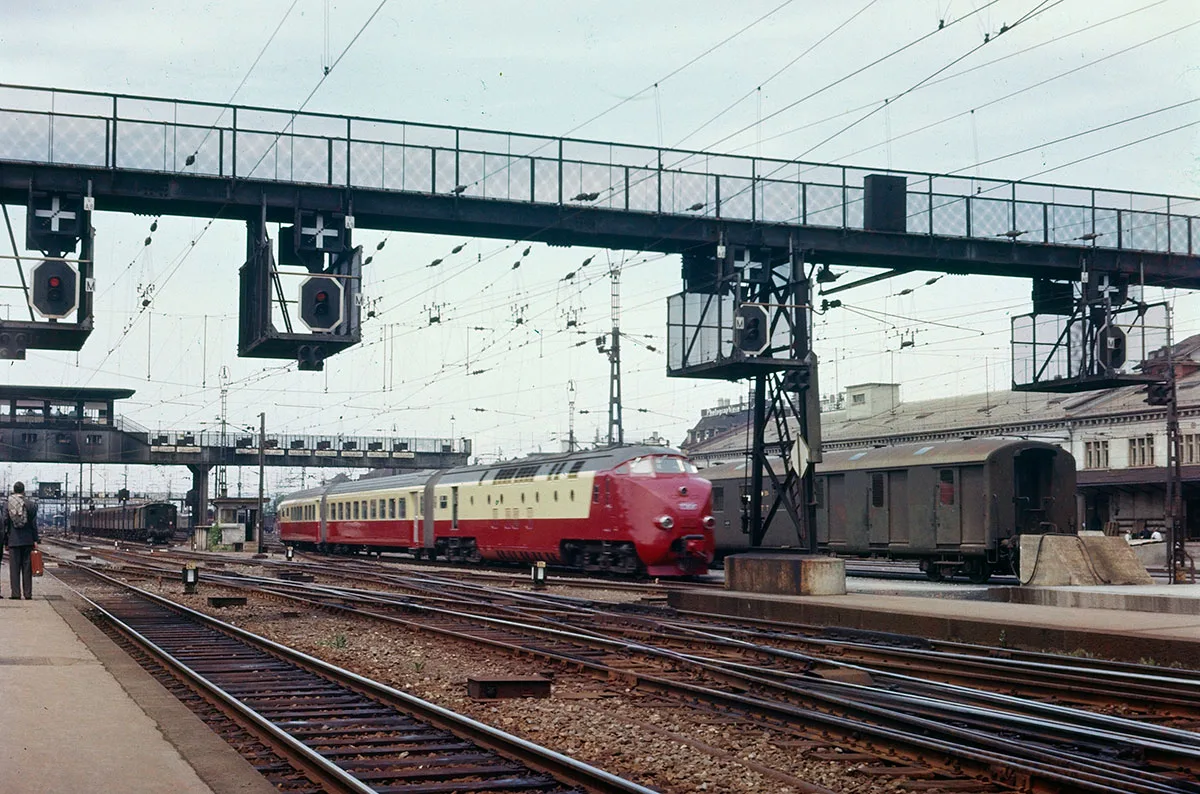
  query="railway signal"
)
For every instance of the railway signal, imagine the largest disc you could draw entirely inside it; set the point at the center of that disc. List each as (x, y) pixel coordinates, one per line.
(321, 303)
(750, 329)
(55, 289)
(310, 358)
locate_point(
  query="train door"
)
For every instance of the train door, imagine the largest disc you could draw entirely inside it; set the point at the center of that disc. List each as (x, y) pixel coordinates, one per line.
(898, 512)
(416, 517)
(948, 506)
(856, 520)
(879, 520)
(1033, 499)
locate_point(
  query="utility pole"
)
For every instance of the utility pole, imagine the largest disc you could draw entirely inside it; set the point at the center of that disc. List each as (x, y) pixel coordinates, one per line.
(571, 416)
(262, 443)
(222, 482)
(616, 427)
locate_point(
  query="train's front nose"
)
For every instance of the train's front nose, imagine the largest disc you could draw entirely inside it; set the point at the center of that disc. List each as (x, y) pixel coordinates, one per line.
(680, 542)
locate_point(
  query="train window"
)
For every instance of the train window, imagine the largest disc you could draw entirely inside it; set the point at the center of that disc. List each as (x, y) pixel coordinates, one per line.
(575, 467)
(596, 493)
(622, 469)
(373, 508)
(522, 497)
(355, 509)
(946, 486)
(489, 498)
(718, 498)
(877, 490)
(572, 494)
(391, 508)
(642, 467)
(664, 464)
(556, 496)
(537, 496)
(472, 499)
(403, 508)
(501, 498)
(364, 508)
(442, 501)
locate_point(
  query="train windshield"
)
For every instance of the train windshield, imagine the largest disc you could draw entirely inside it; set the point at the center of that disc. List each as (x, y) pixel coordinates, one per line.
(653, 465)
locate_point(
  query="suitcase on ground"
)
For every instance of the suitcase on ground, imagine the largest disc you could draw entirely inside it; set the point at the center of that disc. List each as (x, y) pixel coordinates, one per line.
(35, 560)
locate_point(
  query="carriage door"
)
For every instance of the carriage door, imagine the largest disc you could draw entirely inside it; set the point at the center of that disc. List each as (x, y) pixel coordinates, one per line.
(1032, 498)
(878, 514)
(416, 518)
(947, 508)
(454, 507)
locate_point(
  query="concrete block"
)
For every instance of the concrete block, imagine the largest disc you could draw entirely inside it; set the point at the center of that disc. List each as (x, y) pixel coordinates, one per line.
(785, 574)
(1059, 560)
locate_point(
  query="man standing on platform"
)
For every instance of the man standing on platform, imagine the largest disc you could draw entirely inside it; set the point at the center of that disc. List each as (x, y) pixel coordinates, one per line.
(21, 518)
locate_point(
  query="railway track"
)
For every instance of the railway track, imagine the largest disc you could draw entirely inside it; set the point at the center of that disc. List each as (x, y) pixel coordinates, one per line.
(949, 726)
(344, 733)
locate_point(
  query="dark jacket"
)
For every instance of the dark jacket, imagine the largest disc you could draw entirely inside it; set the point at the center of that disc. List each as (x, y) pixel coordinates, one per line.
(28, 534)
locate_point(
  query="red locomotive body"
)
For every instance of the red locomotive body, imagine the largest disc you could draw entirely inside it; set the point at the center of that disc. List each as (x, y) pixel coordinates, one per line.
(622, 509)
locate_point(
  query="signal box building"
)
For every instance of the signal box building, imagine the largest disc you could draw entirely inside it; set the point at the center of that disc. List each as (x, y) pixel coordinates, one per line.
(1119, 441)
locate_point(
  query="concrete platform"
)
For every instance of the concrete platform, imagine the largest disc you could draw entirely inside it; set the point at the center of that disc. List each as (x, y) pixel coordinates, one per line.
(1110, 633)
(80, 715)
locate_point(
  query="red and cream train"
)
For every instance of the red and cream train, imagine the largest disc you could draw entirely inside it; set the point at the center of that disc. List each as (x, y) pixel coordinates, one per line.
(630, 510)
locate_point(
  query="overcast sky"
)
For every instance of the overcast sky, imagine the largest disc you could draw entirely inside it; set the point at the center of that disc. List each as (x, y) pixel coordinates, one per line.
(546, 68)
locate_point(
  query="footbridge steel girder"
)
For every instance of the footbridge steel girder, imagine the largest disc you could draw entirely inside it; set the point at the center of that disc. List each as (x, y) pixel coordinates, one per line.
(165, 156)
(207, 197)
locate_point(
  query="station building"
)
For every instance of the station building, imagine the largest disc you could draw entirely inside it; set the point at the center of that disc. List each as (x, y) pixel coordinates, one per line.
(1119, 441)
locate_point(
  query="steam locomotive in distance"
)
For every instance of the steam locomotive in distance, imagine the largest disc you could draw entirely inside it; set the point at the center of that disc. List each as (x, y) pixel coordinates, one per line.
(957, 507)
(147, 522)
(627, 510)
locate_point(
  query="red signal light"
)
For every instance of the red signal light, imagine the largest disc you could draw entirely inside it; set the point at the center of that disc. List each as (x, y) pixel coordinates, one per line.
(55, 281)
(322, 297)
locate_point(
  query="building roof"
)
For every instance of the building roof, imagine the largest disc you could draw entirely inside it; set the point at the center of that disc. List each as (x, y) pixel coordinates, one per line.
(1001, 413)
(73, 393)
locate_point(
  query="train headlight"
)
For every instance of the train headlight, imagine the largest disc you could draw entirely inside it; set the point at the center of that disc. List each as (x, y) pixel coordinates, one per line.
(665, 522)
(708, 522)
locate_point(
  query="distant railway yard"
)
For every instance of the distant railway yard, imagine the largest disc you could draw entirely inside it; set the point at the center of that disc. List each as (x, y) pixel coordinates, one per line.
(343, 673)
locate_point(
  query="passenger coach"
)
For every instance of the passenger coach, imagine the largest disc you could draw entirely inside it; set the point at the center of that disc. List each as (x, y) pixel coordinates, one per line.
(955, 506)
(626, 510)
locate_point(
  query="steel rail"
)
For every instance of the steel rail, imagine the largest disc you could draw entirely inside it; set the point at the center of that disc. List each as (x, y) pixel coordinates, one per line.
(1003, 753)
(558, 765)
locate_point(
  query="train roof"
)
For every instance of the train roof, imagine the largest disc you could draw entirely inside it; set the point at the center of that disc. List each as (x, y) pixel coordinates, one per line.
(939, 453)
(532, 466)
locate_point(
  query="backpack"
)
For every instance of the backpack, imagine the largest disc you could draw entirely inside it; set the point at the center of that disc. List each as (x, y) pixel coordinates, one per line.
(18, 513)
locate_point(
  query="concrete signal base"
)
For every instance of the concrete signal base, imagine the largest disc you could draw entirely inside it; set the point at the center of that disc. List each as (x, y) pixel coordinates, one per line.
(785, 574)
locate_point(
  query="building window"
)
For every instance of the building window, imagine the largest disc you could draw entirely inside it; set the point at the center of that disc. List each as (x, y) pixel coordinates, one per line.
(1141, 451)
(718, 498)
(93, 440)
(29, 438)
(858, 399)
(1095, 454)
(1191, 448)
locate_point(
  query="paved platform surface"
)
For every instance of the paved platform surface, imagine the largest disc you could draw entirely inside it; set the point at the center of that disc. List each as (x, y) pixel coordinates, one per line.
(1119, 634)
(80, 715)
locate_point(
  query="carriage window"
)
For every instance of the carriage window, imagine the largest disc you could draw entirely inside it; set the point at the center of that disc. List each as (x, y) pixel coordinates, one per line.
(596, 493)
(718, 497)
(364, 508)
(946, 486)
(442, 501)
(403, 507)
(373, 508)
(575, 467)
(391, 508)
(356, 509)
(341, 510)
(877, 490)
